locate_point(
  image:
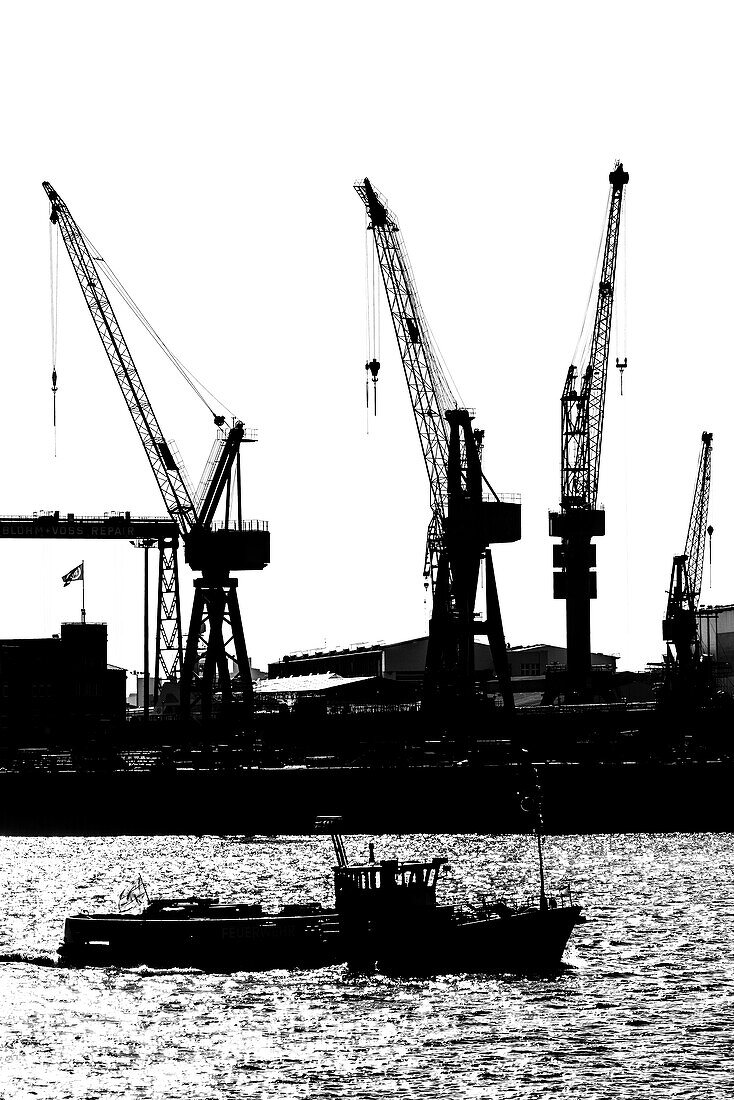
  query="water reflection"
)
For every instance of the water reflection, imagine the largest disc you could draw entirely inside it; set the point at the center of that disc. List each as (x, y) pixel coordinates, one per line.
(644, 1005)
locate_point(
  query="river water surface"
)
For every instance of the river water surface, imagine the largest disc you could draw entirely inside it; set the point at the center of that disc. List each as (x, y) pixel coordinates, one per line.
(644, 1005)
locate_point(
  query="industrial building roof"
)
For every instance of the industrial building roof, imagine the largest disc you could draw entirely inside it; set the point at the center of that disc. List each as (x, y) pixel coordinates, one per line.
(313, 681)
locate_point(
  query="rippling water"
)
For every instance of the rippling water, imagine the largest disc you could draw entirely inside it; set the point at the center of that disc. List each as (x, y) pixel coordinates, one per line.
(644, 1006)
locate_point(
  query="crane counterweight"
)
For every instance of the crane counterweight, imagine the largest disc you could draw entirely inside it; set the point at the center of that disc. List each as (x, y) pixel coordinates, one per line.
(618, 177)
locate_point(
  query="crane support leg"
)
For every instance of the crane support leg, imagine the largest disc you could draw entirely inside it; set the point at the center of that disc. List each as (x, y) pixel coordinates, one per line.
(240, 650)
(193, 650)
(215, 669)
(496, 635)
(438, 658)
(449, 672)
(215, 637)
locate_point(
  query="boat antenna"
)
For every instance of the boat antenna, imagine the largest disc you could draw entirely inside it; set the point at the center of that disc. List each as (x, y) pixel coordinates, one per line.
(539, 835)
(531, 802)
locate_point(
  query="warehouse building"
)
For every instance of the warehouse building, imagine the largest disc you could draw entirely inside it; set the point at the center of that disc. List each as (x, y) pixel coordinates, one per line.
(59, 686)
(403, 662)
(531, 662)
(716, 631)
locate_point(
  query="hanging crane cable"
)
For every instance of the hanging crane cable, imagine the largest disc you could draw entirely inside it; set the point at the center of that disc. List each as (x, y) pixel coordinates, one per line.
(372, 365)
(620, 314)
(53, 243)
(195, 383)
(581, 351)
(453, 398)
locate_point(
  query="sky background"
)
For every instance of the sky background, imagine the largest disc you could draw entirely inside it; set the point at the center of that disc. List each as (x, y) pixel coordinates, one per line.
(210, 152)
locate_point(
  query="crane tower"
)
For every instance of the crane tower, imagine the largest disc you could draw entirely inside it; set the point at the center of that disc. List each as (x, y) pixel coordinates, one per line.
(686, 681)
(465, 519)
(582, 422)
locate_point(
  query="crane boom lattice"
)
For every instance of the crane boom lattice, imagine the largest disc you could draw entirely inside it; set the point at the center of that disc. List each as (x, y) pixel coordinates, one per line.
(584, 392)
(689, 678)
(171, 482)
(430, 393)
(696, 537)
(580, 519)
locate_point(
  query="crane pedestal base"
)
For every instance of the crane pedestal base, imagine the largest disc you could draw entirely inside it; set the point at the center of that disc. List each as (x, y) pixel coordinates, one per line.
(575, 582)
(215, 638)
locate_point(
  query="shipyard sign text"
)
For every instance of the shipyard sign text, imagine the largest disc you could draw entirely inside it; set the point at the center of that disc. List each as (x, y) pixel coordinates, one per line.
(69, 531)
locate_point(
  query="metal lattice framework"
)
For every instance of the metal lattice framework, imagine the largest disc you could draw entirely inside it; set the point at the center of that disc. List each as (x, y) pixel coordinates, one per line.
(688, 679)
(169, 643)
(584, 392)
(696, 537)
(171, 481)
(217, 640)
(431, 395)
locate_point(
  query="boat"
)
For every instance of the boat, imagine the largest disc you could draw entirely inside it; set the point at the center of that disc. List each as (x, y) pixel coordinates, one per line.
(386, 916)
(204, 933)
(391, 920)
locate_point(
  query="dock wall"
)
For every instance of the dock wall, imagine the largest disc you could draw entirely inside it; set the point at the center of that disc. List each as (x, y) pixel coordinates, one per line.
(578, 798)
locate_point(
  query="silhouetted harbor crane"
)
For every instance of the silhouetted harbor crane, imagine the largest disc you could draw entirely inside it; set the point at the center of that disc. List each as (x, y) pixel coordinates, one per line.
(463, 522)
(215, 551)
(688, 677)
(582, 422)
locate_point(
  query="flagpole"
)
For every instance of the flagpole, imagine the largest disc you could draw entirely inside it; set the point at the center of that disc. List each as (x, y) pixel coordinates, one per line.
(84, 602)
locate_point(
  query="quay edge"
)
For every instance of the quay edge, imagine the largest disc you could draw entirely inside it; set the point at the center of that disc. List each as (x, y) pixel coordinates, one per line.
(578, 798)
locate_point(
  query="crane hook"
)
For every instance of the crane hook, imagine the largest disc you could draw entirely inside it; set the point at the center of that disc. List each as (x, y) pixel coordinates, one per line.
(372, 366)
(621, 367)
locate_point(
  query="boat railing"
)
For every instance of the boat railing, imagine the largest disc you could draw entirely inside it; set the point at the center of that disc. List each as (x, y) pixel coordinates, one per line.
(561, 899)
(489, 906)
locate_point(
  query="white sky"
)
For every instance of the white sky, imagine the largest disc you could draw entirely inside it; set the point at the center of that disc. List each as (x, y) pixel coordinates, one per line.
(209, 152)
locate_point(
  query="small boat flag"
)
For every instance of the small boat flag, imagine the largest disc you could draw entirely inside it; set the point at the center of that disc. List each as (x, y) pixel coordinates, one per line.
(135, 895)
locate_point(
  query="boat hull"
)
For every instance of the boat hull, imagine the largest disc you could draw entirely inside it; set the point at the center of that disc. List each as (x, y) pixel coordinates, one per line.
(527, 941)
(249, 943)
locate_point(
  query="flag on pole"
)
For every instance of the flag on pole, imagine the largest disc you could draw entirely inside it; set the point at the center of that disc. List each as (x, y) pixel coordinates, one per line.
(76, 574)
(136, 895)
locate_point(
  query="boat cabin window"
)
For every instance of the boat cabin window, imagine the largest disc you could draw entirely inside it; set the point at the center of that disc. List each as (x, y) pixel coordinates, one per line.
(389, 874)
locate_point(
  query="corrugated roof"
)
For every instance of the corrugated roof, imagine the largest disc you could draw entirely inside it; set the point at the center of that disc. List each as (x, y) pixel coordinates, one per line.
(313, 681)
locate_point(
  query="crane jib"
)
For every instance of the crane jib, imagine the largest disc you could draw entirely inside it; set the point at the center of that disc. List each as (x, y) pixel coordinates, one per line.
(171, 483)
(582, 407)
